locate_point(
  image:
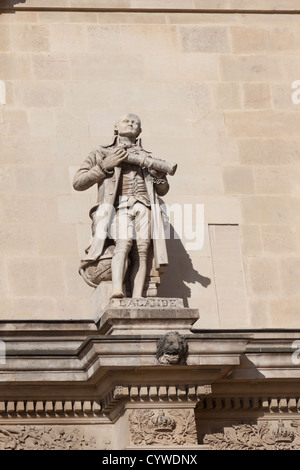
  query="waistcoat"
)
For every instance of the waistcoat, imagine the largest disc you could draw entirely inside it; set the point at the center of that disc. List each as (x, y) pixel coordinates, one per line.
(132, 186)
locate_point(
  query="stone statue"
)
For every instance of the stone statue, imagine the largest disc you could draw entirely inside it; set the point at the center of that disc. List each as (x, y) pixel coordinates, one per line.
(127, 222)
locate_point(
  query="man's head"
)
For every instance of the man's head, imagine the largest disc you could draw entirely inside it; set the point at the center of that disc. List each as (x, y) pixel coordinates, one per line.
(128, 125)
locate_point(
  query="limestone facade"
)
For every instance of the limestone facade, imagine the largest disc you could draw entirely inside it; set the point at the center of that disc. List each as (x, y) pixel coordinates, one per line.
(215, 84)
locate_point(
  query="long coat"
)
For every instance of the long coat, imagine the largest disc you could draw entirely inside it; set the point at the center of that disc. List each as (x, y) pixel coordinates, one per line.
(89, 174)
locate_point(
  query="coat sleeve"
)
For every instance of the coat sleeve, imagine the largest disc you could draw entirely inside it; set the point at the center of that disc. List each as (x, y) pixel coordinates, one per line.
(89, 173)
(162, 188)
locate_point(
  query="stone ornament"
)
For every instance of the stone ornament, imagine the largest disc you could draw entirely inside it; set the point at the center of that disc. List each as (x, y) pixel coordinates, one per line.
(162, 427)
(261, 436)
(172, 348)
(43, 438)
(163, 394)
(53, 408)
(264, 404)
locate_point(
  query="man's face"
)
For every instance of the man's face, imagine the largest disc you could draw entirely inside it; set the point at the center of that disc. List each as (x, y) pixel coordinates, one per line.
(129, 126)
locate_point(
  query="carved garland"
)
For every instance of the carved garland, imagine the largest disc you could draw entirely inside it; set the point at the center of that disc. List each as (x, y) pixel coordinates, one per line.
(259, 436)
(43, 438)
(153, 427)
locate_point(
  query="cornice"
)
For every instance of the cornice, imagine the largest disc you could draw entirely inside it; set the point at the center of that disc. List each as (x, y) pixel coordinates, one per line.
(77, 353)
(154, 6)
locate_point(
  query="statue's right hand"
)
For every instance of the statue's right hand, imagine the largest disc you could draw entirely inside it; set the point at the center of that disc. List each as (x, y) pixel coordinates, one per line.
(114, 158)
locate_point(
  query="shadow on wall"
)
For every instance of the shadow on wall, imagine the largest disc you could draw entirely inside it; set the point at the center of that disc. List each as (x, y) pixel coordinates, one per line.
(180, 270)
(10, 3)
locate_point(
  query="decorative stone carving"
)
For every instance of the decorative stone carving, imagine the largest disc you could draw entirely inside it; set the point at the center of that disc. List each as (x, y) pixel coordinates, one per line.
(160, 393)
(172, 348)
(163, 427)
(43, 438)
(265, 404)
(53, 408)
(261, 436)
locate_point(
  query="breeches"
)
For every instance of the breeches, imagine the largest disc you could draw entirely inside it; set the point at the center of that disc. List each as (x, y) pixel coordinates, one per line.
(132, 223)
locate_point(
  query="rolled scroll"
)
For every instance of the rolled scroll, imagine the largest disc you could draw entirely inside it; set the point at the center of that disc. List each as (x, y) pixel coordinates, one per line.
(149, 162)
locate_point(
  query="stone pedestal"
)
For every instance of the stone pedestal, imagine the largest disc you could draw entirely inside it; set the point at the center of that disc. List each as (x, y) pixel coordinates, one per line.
(152, 412)
(149, 315)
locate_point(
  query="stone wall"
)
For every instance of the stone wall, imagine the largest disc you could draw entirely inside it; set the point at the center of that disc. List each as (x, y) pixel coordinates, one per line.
(213, 90)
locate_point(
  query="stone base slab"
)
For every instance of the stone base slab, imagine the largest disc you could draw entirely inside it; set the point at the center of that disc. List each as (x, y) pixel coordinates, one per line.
(150, 315)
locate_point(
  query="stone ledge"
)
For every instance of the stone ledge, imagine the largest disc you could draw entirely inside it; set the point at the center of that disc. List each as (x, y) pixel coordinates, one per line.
(188, 6)
(44, 353)
(49, 327)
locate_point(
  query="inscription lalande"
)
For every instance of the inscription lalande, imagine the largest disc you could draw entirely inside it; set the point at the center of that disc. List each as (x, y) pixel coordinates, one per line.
(146, 302)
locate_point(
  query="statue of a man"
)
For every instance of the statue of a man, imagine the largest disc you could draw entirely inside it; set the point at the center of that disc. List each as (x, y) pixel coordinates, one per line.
(127, 211)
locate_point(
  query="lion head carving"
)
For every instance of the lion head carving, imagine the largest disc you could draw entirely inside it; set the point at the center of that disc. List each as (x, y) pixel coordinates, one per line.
(172, 348)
